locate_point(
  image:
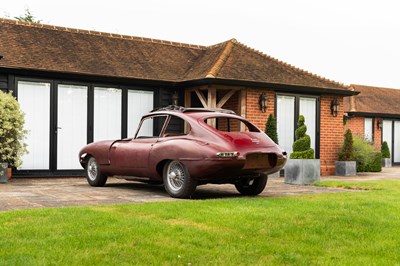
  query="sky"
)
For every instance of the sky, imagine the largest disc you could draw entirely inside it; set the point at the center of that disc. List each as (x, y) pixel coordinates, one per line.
(348, 41)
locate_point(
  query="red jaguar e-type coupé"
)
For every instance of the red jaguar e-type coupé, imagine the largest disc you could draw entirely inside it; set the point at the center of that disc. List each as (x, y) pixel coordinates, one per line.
(186, 147)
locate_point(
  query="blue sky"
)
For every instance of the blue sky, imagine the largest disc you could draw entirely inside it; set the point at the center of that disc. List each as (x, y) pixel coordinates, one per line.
(352, 42)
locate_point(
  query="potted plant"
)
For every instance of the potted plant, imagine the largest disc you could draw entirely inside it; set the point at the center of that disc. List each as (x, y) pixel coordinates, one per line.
(302, 168)
(346, 165)
(386, 160)
(272, 132)
(12, 135)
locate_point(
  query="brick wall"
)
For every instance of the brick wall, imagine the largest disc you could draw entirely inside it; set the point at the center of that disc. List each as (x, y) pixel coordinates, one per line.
(377, 135)
(331, 134)
(356, 125)
(253, 112)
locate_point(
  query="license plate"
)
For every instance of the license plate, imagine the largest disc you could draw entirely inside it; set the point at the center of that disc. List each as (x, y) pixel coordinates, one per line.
(256, 161)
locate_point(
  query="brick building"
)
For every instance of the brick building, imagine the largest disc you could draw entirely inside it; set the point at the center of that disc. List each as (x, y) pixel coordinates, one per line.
(374, 114)
(79, 86)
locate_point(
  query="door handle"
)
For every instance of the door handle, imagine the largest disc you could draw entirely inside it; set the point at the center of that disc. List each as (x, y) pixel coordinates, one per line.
(57, 128)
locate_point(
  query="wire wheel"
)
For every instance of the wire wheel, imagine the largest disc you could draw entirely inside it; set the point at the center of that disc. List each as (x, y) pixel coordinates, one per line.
(92, 170)
(176, 175)
(177, 180)
(93, 174)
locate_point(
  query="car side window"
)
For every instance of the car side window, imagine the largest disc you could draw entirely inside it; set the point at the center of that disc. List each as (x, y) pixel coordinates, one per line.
(176, 127)
(151, 127)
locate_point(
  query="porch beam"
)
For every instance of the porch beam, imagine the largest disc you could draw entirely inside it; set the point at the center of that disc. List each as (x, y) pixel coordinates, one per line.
(225, 98)
(201, 97)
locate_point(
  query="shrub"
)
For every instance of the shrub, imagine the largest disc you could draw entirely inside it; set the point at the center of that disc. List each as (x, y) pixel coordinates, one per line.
(270, 128)
(366, 157)
(347, 151)
(12, 133)
(301, 147)
(385, 150)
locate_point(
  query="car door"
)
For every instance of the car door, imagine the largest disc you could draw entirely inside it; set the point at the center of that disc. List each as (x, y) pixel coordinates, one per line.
(134, 153)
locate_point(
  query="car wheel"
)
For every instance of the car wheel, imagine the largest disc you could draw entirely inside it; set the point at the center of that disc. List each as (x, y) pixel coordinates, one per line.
(252, 186)
(177, 180)
(93, 175)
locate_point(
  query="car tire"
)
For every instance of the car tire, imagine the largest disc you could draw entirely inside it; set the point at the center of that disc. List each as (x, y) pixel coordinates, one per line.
(252, 186)
(93, 174)
(177, 180)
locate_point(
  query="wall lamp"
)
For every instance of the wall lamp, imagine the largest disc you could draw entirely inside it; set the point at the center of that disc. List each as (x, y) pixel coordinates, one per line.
(379, 124)
(175, 98)
(262, 102)
(1, 57)
(334, 107)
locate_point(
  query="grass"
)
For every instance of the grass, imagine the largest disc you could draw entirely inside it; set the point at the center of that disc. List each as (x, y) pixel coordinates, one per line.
(340, 228)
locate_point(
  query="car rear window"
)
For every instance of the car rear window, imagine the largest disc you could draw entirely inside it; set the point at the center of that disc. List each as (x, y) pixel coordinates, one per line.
(229, 124)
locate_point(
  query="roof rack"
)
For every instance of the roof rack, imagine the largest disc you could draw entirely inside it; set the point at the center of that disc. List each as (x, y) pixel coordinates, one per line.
(192, 110)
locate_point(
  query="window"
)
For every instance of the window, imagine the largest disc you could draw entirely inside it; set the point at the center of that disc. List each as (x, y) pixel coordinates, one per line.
(151, 127)
(387, 133)
(368, 129)
(288, 110)
(139, 104)
(285, 120)
(176, 127)
(107, 113)
(228, 124)
(34, 99)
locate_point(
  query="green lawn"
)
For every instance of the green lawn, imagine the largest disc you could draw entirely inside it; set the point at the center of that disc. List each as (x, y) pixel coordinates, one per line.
(357, 228)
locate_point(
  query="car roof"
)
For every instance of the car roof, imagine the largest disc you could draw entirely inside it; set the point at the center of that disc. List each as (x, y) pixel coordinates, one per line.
(194, 113)
(181, 109)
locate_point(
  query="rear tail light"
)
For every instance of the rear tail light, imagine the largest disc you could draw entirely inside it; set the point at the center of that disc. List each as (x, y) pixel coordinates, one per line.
(228, 154)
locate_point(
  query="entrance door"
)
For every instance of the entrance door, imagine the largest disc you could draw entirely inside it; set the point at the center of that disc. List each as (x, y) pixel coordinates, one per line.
(71, 125)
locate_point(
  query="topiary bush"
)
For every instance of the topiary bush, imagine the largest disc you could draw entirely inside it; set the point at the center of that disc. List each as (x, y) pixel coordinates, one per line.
(385, 150)
(301, 147)
(12, 133)
(366, 157)
(270, 128)
(347, 151)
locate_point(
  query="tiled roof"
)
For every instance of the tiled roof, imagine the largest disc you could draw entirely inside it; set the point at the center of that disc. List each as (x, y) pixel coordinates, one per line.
(58, 49)
(373, 100)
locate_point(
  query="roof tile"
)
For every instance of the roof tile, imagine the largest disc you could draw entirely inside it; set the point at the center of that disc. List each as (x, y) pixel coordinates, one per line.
(59, 49)
(374, 100)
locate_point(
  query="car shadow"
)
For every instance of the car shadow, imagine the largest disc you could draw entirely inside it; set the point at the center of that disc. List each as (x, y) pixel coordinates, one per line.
(203, 192)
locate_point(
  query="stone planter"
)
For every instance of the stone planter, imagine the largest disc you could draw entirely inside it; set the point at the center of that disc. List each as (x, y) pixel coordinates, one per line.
(345, 168)
(3, 172)
(302, 171)
(386, 162)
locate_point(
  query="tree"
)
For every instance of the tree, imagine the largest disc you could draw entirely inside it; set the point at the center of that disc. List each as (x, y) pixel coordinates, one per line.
(12, 133)
(28, 17)
(347, 151)
(270, 128)
(385, 150)
(301, 147)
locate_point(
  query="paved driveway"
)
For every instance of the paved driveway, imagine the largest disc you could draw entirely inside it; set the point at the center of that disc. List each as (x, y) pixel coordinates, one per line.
(25, 193)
